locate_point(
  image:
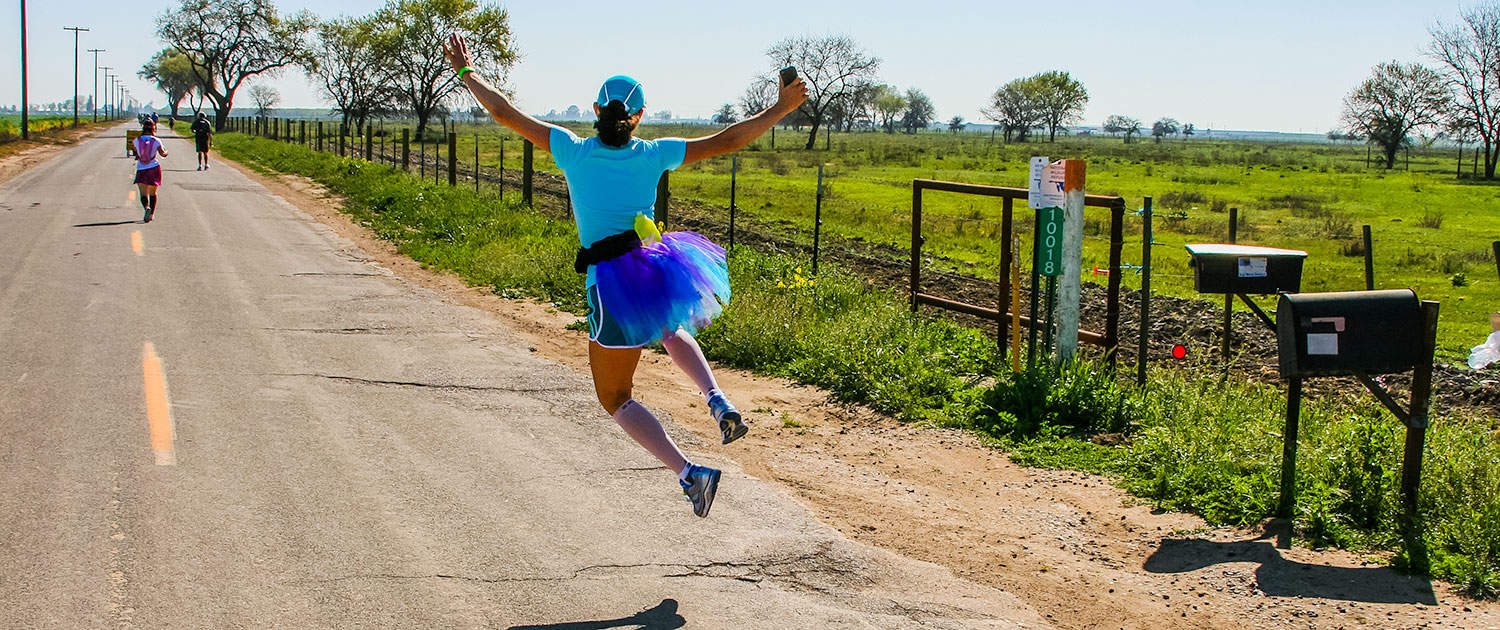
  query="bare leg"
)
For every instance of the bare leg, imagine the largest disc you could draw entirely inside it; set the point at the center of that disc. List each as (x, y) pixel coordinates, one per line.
(688, 356)
(614, 372)
(145, 194)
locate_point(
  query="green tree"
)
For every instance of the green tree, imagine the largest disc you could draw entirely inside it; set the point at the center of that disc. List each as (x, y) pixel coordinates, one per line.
(831, 66)
(1164, 127)
(411, 35)
(1395, 101)
(349, 68)
(888, 104)
(173, 74)
(1060, 100)
(919, 111)
(956, 124)
(230, 41)
(1015, 107)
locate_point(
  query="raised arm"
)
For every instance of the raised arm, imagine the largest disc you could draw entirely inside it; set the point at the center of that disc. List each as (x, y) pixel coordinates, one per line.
(538, 132)
(736, 136)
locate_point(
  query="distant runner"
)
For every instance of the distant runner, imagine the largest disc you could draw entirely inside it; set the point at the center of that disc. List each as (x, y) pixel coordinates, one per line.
(203, 132)
(147, 168)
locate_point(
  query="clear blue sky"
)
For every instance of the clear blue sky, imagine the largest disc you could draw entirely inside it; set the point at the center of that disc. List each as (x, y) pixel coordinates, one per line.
(1271, 65)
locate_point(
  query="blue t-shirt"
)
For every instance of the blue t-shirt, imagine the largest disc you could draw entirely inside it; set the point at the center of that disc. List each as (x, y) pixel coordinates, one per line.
(611, 185)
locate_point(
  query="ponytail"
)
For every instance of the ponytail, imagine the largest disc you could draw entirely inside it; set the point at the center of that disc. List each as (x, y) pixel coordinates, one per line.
(614, 124)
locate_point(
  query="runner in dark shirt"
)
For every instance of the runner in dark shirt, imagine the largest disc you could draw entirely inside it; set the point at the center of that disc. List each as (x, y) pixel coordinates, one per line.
(202, 136)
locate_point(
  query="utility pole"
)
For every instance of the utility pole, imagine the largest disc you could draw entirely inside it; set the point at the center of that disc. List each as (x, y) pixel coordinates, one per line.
(94, 101)
(25, 127)
(76, 30)
(106, 70)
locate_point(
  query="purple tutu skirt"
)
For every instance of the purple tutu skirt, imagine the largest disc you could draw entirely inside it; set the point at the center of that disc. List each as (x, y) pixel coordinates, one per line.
(680, 282)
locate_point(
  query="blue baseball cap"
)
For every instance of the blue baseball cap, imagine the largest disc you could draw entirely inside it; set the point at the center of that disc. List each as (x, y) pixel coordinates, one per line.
(624, 89)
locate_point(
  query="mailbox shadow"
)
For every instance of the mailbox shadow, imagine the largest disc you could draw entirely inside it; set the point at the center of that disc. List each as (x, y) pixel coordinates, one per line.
(1280, 577)
(662, 616)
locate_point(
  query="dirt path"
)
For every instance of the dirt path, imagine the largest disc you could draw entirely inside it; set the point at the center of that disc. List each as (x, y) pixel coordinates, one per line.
(1072, 546)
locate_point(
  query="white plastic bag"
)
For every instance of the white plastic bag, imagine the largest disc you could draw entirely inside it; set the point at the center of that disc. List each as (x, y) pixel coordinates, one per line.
(1485, 353)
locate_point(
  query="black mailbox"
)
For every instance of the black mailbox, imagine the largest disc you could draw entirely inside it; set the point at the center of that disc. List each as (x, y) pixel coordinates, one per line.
(1349, 333)
(1227, 268)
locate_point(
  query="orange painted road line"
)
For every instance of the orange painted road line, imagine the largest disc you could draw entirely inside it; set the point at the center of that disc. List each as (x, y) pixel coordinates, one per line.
(135, 242)
(131, 196)
(158, 408)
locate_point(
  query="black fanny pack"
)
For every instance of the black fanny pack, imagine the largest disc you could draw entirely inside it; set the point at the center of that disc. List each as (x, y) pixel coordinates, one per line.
(607, 248)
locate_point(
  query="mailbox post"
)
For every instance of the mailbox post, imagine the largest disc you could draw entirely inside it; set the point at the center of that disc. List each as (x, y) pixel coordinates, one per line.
(1360, 334)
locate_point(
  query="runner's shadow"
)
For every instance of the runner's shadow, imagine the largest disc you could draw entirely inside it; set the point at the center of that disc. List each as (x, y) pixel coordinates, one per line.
(104, 223)
(662, 616)
(1280, 577)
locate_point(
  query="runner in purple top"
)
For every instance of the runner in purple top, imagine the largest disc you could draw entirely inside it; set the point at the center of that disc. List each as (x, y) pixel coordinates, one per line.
(148, 168)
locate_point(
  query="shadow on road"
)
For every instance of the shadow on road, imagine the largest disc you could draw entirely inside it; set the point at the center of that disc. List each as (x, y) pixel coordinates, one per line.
(662, 616)
(1280, 577)
(104, 223)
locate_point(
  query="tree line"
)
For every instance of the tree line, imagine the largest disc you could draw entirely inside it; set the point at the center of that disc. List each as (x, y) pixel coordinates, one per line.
(368, 66)
(1459, 100)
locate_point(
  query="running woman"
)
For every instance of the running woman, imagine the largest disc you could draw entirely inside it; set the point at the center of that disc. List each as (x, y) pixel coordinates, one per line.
(148, 168)
(643, 286)
(203, 132)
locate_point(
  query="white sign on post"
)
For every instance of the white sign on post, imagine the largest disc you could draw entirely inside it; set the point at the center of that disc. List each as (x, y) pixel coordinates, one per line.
(1046, 184)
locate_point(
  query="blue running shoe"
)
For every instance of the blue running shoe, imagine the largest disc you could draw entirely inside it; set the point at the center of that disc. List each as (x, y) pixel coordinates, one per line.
(701, 485)
(731, 424)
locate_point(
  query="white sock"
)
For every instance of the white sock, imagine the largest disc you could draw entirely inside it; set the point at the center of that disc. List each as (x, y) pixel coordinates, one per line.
(713, 392)
(682, 474)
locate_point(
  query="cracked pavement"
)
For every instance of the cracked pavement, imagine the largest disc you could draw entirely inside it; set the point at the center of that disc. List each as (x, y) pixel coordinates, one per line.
(418, 467)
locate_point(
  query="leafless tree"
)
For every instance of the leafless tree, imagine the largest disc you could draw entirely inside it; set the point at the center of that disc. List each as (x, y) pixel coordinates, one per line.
(1469, 54)
(265, 97)
(761, 94)
(832, 67)
(229, 41)
(1397, 99)
(1117, 123)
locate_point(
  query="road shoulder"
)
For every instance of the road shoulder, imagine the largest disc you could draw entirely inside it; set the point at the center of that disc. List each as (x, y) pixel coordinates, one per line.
(1070, 545)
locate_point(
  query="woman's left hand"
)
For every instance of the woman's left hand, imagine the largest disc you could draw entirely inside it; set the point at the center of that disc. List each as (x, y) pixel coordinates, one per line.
(457, 52)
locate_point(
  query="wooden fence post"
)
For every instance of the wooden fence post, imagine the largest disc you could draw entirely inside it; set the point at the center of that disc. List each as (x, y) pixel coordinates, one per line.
(1143, 354)
(452, 158)
(526, 173)
(1234, 226)
(405, 149)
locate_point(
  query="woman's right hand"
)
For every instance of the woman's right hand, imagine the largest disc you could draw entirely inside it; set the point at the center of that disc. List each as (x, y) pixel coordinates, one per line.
(457, 52)
(792, 95)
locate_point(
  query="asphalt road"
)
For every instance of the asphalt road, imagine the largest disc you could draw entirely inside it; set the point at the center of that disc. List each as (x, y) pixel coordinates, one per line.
(229, 418)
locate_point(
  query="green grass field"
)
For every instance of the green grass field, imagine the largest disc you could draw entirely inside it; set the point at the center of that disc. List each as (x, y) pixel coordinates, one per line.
(10, 124)
(1431, 230)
